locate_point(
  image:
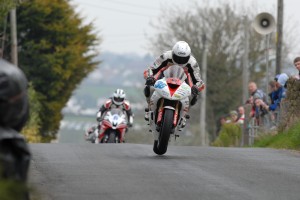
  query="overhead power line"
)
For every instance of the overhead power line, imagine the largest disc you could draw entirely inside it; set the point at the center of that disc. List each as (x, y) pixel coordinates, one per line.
(124, 35)
(130, 4)
(120, 41)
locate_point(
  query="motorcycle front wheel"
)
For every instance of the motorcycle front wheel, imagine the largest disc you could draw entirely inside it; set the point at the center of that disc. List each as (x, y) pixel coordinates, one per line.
(160, 146)
(113, 137)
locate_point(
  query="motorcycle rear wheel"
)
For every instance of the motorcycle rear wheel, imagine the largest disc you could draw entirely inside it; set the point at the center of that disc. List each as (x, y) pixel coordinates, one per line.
(160, 146)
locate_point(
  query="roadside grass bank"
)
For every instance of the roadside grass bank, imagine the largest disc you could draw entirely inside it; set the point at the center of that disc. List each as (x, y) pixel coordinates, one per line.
(12, 190)
(289, 139)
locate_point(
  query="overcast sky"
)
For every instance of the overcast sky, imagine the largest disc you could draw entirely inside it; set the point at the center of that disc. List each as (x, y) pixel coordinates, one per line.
(123, 24)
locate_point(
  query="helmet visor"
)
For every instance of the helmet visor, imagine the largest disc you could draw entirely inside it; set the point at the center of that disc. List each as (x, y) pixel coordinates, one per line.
(118, 99)
(180, 60)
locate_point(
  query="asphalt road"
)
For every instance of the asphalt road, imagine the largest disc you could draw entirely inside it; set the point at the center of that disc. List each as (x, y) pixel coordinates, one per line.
(134, 172)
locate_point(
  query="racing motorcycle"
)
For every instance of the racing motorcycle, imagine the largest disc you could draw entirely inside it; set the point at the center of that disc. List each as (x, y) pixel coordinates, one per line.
(112, 128)
(169, 105)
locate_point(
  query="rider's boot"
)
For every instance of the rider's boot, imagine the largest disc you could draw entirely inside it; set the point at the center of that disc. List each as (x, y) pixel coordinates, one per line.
(182, 122)
(147, 114)
(147, 95)
(97, 133)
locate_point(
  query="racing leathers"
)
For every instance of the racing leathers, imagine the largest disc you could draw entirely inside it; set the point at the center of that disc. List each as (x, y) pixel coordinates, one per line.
(109, 104)
(163, 62)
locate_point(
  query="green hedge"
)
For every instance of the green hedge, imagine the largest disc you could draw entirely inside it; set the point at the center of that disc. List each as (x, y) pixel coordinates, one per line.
(229, 136)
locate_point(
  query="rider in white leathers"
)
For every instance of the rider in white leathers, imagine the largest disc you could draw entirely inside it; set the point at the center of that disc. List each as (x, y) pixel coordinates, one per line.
(117, 101)
(179, 55)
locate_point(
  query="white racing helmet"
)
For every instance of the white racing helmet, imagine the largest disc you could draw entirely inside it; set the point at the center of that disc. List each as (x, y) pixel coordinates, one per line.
(181, 53)
(118, 96)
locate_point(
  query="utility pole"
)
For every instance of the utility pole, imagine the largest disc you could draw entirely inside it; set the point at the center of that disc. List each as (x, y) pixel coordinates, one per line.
(13, 30)
(203, 94)
(245, 61)
(3, 37)
(267, 61)
(279, 36)
(245, 70)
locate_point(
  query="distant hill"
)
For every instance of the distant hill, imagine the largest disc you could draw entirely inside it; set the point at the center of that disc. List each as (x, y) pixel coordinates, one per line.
(115, 71)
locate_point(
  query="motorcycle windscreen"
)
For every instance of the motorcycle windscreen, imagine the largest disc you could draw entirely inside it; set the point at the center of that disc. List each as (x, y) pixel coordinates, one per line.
(116, 111)
(117, 116)
(175, 71)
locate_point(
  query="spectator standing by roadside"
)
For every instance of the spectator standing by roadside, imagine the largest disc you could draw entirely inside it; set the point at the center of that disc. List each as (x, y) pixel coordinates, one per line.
(273, 95)
(233, 116)
(257, 94)
(272, 89)
(241, 118)
(280, 93)
(297, 65)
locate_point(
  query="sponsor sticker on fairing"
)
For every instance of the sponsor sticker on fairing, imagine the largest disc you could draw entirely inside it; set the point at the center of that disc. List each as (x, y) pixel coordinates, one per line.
(185, 87)
(181, 92)
(115, 117)
(160, 85)
(164, 93)
(177, 96)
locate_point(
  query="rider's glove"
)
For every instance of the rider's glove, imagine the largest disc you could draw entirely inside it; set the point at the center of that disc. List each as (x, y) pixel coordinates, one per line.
(195, 90)
(150, 81)
(201, 86)
(99, 119)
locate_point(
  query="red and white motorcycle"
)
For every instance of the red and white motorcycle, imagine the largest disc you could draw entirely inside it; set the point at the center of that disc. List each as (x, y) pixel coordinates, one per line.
(169, 105)
(112, 128)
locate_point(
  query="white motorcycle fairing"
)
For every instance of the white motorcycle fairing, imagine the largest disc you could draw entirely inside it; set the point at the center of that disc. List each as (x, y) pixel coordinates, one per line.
(171, 92)
(183, 92)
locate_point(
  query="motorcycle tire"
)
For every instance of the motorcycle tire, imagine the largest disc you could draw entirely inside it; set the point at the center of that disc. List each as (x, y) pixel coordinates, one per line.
(160, 146)
(155, 149)
(112, 137)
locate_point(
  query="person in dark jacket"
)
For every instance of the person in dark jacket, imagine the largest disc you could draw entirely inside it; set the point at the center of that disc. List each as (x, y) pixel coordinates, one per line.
(14, 112)
(280, 93)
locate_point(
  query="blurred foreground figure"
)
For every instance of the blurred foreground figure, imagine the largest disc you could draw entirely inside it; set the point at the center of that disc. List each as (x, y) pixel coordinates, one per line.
(14, 112)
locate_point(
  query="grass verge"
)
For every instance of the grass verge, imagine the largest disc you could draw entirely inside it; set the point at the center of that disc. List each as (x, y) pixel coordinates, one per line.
(289, 139)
